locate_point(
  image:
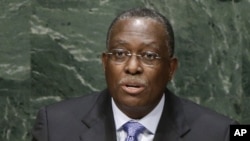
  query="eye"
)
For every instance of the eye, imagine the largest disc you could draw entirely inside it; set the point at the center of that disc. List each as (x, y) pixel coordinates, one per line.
(149, 55)
(119, 53)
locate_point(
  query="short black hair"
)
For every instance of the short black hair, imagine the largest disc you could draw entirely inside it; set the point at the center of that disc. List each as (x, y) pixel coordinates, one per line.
(142, 12)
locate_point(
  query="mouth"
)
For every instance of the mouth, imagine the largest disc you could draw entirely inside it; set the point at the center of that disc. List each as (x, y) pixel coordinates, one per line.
(133, 88)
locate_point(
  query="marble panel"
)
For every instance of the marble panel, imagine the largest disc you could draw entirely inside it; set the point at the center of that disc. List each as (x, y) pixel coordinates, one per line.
(15, 70)
(50, 51)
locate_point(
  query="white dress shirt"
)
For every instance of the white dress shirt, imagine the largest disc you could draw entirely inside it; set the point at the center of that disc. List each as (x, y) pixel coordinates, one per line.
(150, 122)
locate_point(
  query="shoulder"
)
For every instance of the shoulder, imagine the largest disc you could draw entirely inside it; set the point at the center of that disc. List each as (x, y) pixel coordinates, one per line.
(195, 115)
(205, 119)
(202, 123)
(194, 112)
(202, 112)
(66, 117)
(75, 107)
(76, 101)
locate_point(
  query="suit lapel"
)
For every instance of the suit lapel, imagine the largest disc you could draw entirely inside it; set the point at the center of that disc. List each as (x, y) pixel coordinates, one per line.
(172, 125)
(100, 121)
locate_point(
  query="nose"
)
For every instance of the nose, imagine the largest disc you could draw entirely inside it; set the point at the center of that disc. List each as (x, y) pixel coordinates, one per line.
(133, 65)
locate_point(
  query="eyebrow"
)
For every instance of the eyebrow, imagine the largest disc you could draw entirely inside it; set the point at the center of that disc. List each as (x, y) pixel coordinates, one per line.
(151, 44)
(118, 43)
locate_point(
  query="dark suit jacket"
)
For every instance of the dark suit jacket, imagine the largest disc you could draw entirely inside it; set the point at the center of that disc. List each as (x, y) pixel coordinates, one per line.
(90, 118)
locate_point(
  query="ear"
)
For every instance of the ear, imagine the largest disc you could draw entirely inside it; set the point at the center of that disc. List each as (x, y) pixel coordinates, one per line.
(172, 67)
(104, 61)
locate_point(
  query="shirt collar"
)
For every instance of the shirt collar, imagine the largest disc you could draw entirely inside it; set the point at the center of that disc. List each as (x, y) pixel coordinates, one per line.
(120, 118)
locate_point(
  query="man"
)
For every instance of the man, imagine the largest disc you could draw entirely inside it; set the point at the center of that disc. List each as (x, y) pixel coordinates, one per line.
(136, 106)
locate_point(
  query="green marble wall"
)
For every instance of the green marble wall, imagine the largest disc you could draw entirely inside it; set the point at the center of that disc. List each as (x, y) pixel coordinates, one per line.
(49, 51)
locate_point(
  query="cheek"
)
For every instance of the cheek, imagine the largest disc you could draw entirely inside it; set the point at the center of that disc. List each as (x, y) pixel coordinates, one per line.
(158, 77)
(113, 74)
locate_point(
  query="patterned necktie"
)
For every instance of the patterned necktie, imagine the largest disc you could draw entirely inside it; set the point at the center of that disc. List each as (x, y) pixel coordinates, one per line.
(133, 129)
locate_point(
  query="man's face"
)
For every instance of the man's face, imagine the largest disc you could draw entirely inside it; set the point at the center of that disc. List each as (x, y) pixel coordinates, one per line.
(133, 85)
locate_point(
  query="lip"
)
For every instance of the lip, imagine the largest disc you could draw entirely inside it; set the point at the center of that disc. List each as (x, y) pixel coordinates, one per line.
(133, 88)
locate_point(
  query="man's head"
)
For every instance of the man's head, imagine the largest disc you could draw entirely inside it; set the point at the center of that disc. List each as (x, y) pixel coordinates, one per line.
(139, 62)
(150, 14)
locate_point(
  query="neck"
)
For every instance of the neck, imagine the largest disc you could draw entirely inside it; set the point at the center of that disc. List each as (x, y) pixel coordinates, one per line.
(136, 112)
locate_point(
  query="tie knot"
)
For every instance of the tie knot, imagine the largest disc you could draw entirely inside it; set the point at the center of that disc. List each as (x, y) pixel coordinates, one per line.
(133, 129)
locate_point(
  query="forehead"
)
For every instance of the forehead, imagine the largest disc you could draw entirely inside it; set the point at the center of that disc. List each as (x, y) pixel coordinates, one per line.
(138, 29)
(138, 24)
